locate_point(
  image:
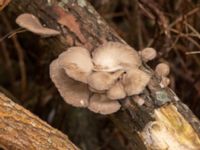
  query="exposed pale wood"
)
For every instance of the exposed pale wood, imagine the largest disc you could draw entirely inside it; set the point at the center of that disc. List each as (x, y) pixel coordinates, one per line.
(20, 129)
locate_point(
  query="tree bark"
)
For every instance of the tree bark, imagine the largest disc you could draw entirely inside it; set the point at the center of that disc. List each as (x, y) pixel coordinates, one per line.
(163, 121)
(20, 129)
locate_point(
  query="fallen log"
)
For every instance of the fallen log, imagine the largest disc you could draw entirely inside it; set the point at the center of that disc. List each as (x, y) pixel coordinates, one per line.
(163, 122)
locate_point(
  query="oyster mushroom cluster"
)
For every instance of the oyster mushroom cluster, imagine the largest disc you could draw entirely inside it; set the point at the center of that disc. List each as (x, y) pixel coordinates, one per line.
(99, 80)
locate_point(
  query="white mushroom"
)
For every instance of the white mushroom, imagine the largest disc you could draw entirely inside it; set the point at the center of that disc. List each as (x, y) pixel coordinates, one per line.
(116, 91)
(135, 81)
(32, 23)
(77, 63)
(139, 100)
(99, 103)
(74, 93)
(103, 80)
(164, 82)
(96, 91)
(113, 56)
(148, 54)
(162, 69)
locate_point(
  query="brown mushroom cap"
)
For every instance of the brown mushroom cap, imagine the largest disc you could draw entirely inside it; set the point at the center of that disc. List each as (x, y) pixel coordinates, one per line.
(77, 63)
(148, 54)
(99, 103)
(74, 93)
(135, 81)
(31, 23)
(103, 80)
(162, 69)
(113, 56)
(116, 91)
(164, 82)
(96, 91)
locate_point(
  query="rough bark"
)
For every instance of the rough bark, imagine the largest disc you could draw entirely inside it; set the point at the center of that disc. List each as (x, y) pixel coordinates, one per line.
(163, 114)
(20, 129)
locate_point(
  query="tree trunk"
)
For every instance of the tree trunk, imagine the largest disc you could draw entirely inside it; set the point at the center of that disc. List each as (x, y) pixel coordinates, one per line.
(21, 130)
(163, 122)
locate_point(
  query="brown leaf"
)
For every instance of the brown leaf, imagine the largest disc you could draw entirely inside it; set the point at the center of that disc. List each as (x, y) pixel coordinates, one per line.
(68, 20)
(4, 3)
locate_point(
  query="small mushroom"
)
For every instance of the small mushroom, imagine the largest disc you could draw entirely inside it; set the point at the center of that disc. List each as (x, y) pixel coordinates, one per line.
(164, 82)
(139, 100)
(116, 91)
(96, 91)
(77, 63)
(162, 69)
(99, 103)
(148, 54)
(74, 93)
(32, 23)
(103, 80)
(135, 81)
(113, 56)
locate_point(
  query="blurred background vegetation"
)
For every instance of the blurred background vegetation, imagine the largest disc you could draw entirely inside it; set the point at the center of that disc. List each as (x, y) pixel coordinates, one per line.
(171, 27)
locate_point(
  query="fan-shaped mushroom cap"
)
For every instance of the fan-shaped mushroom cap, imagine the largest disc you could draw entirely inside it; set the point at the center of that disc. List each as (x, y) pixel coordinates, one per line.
(135, 81)
(114, 56)
(99, 103)
(148, 54)
(116, 91)
(74, 93)
(103, 80)
(77, 63)
(162, 69)
(31, 23)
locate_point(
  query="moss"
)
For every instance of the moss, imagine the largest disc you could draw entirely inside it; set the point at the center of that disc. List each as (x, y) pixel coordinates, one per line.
(81, 3)
(63, 3)
(162, 97)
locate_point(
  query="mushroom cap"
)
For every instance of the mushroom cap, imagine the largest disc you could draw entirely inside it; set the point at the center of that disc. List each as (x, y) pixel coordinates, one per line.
(103, 80)
(73, 92)
(96, 91)
(135, 81)
(139, 100)
(113, 56)
(32, 23)
(162, 69)
(99, 103)
(116, 91)
(148, 54)
(77, 63)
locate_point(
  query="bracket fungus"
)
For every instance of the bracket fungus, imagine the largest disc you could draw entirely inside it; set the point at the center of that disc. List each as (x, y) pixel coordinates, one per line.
(32, 23)
(116, 92)
(100, 103)
(135, 81)
(113, 56)
(73, 92)
(77, 63)
(103, 80)
(111, 73)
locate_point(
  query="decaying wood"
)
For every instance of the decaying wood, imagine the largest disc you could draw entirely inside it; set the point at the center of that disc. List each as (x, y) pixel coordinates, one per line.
(20, 129)
(163, 122)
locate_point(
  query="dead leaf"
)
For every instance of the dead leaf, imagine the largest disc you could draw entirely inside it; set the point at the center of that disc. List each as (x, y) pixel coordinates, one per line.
(4, 3)
(69, 21)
